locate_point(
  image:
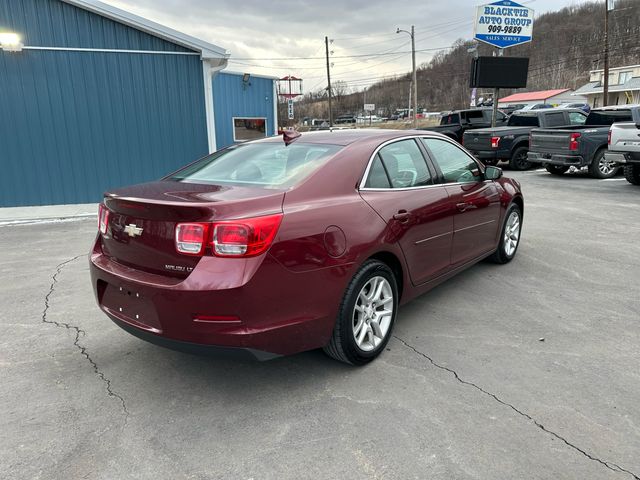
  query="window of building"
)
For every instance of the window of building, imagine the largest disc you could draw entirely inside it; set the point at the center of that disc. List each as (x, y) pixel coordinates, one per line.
(249, 128)
(625, 77)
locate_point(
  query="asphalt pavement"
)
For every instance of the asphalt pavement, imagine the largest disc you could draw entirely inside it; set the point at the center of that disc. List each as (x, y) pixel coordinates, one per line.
(527, 370)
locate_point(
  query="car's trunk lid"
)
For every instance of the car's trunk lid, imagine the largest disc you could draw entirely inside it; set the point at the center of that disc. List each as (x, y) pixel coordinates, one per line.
(143, 218)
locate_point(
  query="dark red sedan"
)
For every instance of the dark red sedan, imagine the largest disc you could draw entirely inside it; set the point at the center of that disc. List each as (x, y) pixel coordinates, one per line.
(275, 247)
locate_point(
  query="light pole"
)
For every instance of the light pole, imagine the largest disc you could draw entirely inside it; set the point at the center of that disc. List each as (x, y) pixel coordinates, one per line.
(413, 66)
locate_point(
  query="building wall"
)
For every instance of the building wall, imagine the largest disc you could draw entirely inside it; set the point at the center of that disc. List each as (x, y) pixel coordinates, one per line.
(75, 124)
(232, 98)
(615, 98)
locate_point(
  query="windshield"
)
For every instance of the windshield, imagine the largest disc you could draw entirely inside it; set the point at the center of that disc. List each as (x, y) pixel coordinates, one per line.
(608, 117)
(523, 121)
(267, 165)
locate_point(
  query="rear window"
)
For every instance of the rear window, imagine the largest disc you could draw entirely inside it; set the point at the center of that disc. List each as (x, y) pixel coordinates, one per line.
(451, 119)
(523, 121)
(267, 165)
(608, 117)
(473, 116)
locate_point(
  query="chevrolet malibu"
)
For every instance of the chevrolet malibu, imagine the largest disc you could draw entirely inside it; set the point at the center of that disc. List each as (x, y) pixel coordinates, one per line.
(282, 245)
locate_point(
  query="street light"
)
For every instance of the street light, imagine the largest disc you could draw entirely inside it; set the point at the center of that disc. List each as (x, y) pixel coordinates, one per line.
(10, 42)
(413, 80)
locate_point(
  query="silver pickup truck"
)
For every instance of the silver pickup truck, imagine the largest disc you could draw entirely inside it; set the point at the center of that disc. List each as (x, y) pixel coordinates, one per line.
(624, 148)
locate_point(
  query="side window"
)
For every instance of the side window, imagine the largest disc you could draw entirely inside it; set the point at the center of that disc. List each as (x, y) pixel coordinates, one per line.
(576, 118)
(555, 119)
(377, 176)
(404, 164)
(455, 164)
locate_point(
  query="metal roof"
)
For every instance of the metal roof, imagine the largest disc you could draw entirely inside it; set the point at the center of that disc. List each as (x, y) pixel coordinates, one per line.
(206, 50)
(532, 96)
(596, 87)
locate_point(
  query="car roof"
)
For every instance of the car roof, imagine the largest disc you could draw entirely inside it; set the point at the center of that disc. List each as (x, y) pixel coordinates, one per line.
(344, 137)
(547, 110)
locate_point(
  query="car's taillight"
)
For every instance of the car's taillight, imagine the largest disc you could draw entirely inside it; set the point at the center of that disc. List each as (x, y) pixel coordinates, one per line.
(103, 218)
(609, 138)
(237, 238)
(573, 141)
(191, 238)
(495, 141)
(245, 238)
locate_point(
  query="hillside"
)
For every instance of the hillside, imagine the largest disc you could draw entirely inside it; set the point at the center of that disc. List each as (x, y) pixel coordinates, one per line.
(566, 45)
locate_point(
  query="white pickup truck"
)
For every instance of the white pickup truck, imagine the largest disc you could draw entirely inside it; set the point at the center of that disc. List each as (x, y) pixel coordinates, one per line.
(624, 148)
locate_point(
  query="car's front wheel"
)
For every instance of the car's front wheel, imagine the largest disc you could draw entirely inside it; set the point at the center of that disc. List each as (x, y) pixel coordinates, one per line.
(510, 236)
(366, 315)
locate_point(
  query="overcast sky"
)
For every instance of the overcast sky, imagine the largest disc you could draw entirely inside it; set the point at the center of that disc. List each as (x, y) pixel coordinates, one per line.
(256, 31)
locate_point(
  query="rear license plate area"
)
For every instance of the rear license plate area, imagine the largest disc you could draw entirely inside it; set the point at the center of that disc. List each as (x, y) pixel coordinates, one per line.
(131, 306)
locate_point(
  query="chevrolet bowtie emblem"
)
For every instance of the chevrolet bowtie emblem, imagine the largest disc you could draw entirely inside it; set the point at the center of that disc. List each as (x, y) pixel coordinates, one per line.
(133, 230)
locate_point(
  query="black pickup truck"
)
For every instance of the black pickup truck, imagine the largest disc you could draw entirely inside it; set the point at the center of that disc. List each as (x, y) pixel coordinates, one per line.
(510, 143)
(453, 124)
(580, 146)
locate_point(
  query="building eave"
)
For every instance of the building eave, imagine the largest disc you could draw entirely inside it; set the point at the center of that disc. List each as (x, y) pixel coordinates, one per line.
(208, 51)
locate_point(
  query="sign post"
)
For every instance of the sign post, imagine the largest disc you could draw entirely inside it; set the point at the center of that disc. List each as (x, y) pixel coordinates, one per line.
(369, 107)
(503, 24)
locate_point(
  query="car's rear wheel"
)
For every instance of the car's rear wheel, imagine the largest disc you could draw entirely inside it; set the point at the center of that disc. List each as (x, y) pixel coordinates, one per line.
(510, 236)
(632, 174)
(366, 315)
(519, 159)
(601, 167)
(557, 169)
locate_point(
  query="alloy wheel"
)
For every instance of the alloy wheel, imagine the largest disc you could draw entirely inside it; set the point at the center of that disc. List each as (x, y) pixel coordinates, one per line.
(606, 167)
(372, 313)
(511, 234)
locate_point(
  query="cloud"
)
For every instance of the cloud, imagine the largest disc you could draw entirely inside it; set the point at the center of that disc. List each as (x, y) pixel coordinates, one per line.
(257, 31)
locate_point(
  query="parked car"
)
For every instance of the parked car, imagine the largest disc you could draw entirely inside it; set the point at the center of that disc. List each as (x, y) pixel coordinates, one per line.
(279, 247)
(509, 109)
(453, 124)
(624, 149)
(582, 106)
(536, 106)
(580, 146)
(511, 142)
(345, 119)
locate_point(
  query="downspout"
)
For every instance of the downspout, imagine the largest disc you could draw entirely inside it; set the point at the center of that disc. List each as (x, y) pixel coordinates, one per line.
(211, 66)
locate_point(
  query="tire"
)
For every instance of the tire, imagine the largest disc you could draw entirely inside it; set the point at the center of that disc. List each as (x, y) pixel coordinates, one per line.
(632, 174)
(506, 249)
(357, 310)
(519, 160)
(600, 167)
(557, 169)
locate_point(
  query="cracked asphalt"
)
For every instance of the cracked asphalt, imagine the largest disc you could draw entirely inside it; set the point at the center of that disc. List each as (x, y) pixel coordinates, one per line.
(466, 390)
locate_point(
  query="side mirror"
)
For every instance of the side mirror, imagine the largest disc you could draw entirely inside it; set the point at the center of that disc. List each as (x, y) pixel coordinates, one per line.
(492, 173)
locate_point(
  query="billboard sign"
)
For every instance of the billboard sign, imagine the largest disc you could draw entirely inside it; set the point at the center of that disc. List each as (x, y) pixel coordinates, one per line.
(369, 107)
(504, 24)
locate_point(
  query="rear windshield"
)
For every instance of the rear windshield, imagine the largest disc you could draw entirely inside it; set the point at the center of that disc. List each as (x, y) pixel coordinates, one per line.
(451, 119)
(523, 121)
(267, 165)
(608, 117)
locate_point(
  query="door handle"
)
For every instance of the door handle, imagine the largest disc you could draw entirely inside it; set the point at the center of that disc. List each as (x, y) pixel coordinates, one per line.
(402, 216)
(462, 207)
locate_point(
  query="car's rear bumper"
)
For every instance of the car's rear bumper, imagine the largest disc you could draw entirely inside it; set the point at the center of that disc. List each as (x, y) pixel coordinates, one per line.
(621, 157)
(275, 312)
(555, 159)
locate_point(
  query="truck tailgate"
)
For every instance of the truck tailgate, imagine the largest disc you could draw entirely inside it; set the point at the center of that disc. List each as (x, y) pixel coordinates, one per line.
(549, 141)
(477, 141)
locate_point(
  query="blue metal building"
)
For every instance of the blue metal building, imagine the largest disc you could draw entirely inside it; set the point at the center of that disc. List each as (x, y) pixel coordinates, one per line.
(93, 98)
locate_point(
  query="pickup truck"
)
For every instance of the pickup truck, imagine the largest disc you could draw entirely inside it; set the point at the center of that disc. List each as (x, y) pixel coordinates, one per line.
(511, 142)
(580, 146)
(453, 124)
(624, 149)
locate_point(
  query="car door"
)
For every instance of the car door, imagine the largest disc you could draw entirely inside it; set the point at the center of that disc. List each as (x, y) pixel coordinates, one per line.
(400, 187)
(476, 201)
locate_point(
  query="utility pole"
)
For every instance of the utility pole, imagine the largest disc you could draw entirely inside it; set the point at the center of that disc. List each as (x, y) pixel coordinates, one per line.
(413, 76)
(605, 82)
(326, 44)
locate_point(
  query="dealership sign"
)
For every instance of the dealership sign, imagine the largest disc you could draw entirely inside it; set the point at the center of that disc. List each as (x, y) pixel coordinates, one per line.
(504, 24)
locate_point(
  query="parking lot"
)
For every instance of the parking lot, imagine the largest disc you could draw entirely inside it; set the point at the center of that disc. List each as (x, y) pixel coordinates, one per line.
(528, 370)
